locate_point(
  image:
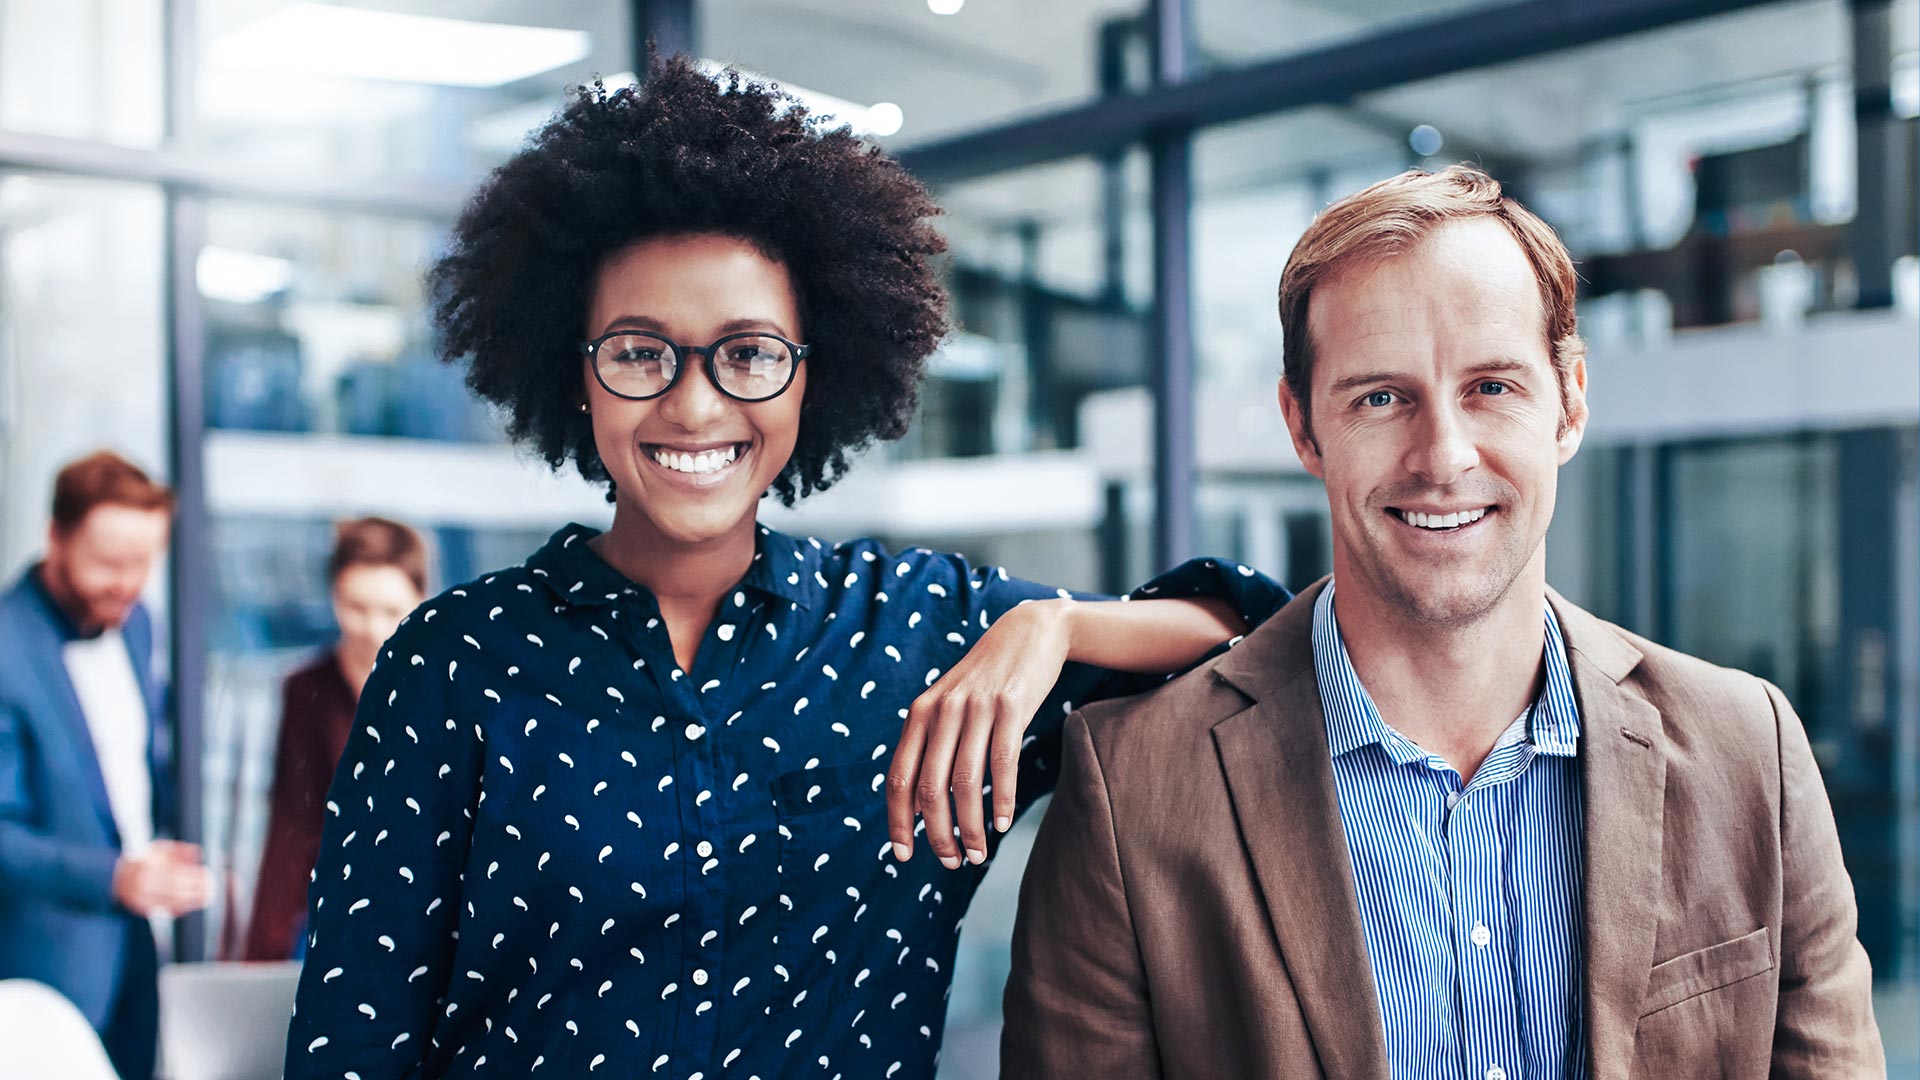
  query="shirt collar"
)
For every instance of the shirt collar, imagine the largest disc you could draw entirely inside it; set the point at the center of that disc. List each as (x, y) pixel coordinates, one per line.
(1353, 720)
(783, 568)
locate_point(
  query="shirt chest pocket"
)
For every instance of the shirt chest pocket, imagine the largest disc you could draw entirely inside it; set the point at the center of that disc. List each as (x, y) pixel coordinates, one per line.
(833, 847)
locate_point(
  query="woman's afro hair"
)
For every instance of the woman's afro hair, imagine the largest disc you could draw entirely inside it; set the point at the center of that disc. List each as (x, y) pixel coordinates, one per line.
(693, 153)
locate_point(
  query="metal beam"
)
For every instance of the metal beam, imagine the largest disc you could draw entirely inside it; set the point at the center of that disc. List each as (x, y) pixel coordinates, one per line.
(1326, 76)
(668, 26)
(200, 174)
(1171, 152)
(1882, 167)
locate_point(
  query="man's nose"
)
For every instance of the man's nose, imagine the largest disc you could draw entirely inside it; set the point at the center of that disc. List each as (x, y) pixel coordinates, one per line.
(1444, 448)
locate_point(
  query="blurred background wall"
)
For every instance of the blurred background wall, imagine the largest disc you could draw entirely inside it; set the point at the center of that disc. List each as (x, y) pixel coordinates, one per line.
(214, 215)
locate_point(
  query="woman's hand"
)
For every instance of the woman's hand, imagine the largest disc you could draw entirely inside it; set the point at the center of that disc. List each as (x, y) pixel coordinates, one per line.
(968, 727)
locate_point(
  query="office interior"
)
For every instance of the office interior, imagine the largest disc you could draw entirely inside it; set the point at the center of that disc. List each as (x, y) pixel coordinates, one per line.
(214, 217)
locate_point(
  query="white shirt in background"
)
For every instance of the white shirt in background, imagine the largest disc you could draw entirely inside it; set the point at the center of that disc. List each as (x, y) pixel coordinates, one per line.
(102, 672)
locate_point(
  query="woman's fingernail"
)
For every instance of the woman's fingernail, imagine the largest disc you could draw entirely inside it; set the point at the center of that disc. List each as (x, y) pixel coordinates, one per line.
(901, 851)
(976, 857)
(951, 862)
(1003, 823)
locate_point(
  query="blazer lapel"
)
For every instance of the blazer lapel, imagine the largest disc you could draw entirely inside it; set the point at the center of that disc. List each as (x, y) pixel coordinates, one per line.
(48, 651)
(1624, 752)
(1279, 775)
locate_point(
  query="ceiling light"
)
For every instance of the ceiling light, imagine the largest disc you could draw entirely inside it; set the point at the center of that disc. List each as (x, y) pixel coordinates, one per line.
(240, 277)
(885, 118)
(1425, 140)
(324, 39)
(946, 7)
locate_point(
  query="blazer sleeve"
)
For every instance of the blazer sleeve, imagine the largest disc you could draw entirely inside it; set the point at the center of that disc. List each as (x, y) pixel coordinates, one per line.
(33, 863)
(1076, 1002)
(1825, 1025)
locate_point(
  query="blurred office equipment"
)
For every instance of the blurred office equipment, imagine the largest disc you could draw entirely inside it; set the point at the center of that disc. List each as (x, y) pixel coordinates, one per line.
(43, 1036)
(225, 1021)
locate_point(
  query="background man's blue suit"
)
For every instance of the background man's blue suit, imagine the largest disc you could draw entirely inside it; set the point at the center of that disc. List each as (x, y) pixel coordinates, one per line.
(59, 923)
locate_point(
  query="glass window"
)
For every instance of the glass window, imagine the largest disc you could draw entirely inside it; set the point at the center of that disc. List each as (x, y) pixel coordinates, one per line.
(82, 339)
(83, 70)
(985, 64)
(412, 92)
(316, 322)
(1235, 33)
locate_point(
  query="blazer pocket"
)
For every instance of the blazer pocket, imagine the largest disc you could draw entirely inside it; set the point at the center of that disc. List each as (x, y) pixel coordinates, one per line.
(1704, 970)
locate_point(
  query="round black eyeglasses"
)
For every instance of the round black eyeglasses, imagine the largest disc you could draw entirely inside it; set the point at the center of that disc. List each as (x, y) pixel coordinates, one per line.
(750, 366)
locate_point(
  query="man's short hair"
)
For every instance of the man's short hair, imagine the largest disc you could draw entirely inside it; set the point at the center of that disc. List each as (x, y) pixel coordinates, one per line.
(1394, 215)
(378, 541)
(104, 478)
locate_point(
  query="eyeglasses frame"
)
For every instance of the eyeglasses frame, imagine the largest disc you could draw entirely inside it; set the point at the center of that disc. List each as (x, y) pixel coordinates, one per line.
(590, 349)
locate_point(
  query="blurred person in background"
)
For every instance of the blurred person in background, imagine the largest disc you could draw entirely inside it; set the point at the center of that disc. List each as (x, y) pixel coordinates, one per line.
(377, 573)
(628, 805)
(84, 763)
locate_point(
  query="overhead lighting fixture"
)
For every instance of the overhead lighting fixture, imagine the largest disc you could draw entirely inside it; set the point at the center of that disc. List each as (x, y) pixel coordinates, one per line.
(946, 7)
(240, 277)
(1425, 140)
(354, 43)
(884, 118)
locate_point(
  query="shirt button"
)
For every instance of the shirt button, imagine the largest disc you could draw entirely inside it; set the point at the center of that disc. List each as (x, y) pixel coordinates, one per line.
(1496, 1073)
(1481, 936)
(704, 848)
(700, 977)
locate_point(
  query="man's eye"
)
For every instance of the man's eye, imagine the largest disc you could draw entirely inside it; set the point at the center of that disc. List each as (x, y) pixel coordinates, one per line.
(1379, 399)
(1492, 387)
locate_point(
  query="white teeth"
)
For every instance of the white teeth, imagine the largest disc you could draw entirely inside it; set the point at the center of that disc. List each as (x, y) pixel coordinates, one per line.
(705, 461)
(1443, 521)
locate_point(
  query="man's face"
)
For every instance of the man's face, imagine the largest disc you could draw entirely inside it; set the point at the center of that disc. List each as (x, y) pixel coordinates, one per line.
(1437, 422)
(97, 569)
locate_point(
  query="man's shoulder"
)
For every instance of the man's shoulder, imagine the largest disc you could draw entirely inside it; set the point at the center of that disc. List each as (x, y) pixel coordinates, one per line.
(1701, 703)
(1167, 726)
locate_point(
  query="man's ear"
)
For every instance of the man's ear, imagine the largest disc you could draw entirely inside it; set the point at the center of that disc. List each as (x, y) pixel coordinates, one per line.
(1299, 430)
(1573, 426)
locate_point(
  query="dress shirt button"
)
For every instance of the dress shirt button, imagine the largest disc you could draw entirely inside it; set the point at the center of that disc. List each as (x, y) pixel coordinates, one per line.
(700, 977)
(1481, 935)
(704, 848)
(1496, 1073)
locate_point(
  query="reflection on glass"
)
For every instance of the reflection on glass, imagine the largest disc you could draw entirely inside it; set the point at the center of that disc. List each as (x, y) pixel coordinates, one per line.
(316, 322)
(85, 71)
(338, 92)
(82, 339)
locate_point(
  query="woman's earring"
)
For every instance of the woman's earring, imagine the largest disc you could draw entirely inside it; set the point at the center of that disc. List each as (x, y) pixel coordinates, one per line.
(583, 406)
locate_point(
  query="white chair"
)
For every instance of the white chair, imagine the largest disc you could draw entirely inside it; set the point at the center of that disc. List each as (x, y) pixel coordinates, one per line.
(43, 1036)
(225, 1021)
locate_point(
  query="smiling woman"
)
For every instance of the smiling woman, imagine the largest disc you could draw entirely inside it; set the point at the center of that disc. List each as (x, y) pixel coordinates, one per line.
(650, 798)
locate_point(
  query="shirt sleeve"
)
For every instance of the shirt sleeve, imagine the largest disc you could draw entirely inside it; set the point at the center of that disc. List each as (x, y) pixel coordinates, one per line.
(1253, 594)
(383, 913)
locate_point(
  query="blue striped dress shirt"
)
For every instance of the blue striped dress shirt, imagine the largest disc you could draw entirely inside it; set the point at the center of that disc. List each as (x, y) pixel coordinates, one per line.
(1470, 896)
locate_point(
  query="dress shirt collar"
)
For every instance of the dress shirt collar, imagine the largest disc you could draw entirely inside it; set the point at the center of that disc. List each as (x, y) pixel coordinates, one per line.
(1353, 720)
(784, 568)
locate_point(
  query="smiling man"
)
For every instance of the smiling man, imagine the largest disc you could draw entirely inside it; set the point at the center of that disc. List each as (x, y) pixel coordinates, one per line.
(1433, 820)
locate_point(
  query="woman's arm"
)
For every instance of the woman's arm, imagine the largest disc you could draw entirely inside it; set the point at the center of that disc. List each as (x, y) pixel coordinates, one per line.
(969, 728)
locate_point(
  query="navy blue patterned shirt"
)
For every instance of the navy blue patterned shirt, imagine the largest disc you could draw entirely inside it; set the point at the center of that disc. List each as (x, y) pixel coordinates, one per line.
(550, 851)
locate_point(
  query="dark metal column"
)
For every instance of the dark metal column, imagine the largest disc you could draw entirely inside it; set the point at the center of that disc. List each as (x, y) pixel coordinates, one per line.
(668, 25)
(1171, 150)
(1882, 209)
(190, 564)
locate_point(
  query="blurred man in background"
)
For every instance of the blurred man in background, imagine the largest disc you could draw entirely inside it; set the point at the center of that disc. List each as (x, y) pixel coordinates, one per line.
(378, 573)
(83, 762)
